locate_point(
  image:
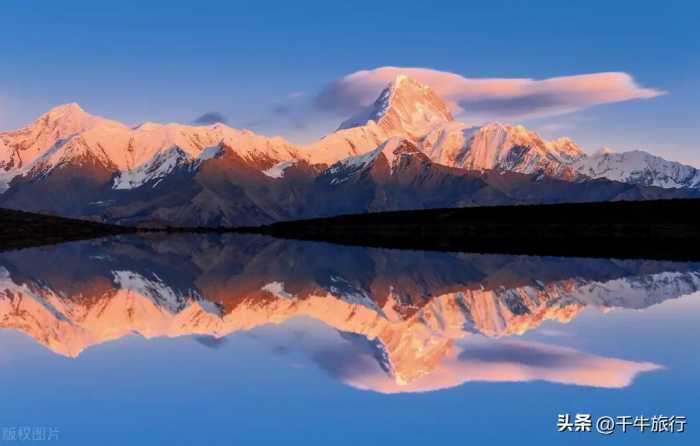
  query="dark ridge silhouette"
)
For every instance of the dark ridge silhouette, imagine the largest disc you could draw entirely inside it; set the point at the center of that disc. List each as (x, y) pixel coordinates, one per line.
(659, 229)
(25, 229)
(656, 229)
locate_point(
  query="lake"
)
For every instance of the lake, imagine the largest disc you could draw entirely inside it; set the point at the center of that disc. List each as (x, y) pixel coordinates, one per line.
(251, 340)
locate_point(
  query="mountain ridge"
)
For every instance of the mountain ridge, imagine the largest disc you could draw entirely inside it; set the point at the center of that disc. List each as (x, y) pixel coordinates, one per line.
(71, 163)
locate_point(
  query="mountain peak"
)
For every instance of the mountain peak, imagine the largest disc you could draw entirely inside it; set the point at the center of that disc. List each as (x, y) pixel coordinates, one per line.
(69, 110)
(67, 107)
(66, 119)
(603, 151)
(403, 84)
(404, 108)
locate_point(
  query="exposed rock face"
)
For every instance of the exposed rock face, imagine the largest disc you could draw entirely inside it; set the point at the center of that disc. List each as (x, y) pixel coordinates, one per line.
(70, 163)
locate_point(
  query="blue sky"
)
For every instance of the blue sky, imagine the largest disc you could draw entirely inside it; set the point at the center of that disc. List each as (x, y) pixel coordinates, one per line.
(261, 63)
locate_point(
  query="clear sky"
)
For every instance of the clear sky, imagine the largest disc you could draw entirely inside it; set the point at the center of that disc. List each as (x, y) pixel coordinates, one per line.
(262, 65)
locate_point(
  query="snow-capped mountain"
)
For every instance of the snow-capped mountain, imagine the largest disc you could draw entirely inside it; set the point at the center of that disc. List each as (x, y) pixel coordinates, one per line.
(398, 175)
(21, 147)
(71, 163)
(638, 167)
(405, 108)
(413, 111)
(68, 135)
(90, 167)
(495, 146)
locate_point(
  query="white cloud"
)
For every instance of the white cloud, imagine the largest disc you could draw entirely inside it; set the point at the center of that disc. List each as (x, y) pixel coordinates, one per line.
(489, 97)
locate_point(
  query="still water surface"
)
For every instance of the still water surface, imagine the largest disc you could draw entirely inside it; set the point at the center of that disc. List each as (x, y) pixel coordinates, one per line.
(251, 340)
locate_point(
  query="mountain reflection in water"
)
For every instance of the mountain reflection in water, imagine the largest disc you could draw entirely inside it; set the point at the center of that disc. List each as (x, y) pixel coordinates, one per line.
(409, 320)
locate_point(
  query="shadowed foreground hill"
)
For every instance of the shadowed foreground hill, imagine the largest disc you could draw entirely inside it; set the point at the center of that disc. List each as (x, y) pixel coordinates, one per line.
(660, 229)
(643, 229)
(24, 229)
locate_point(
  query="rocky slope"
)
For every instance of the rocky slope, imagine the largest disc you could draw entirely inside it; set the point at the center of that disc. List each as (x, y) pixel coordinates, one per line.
(71, 163)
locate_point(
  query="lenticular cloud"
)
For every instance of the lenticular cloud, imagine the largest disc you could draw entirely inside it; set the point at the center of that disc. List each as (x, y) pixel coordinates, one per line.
(489, 97)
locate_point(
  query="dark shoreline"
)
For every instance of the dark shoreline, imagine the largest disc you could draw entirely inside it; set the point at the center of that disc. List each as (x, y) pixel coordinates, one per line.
(20, 229)
(663, 229)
